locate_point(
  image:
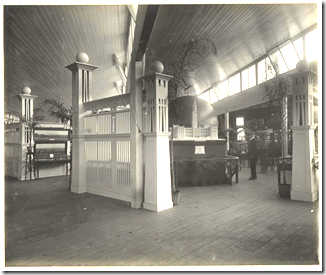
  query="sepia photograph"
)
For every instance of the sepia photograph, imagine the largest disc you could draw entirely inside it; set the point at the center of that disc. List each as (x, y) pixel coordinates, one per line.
(162, 137)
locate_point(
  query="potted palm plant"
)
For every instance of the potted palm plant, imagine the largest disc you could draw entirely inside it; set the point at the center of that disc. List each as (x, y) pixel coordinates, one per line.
(30, 124)
(182, 66)
(57, 110)
(276, 92)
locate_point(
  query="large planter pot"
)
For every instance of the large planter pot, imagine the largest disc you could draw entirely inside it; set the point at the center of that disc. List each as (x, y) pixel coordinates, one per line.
(176, 197)
(284, 190)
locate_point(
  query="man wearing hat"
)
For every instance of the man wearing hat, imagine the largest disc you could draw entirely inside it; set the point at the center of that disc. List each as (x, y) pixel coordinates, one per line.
(252, 155)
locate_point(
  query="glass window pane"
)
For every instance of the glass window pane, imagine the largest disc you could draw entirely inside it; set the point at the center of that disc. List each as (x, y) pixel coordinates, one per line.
(261, 71)
(240, 121)
(278, 61)
(223, 90)
(197, 91)
(289, 54)
(231, 85)
(213, 96)
(215, 89)
(245, 76)
(311, 46)
(298, 44)
(252, 76)
(219, 91)
(269, 69)
(237, 87)
(205, 96)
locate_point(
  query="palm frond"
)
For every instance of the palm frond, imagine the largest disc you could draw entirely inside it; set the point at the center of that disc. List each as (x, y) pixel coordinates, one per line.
(186, 60)
(57, 109)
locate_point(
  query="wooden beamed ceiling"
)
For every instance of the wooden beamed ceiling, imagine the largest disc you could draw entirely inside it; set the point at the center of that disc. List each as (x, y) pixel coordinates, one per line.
(39, 41)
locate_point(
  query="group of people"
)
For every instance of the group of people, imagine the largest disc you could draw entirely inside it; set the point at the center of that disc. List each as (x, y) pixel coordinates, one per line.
(273, 151)
(252, 154)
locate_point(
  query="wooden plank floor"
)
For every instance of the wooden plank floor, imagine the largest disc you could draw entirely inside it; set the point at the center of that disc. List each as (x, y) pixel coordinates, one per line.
(243, 224)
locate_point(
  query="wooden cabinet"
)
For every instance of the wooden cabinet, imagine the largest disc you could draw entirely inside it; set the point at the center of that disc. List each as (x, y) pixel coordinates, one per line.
(51, 152)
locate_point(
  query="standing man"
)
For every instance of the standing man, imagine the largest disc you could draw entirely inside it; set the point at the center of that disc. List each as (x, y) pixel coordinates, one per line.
(252, 155)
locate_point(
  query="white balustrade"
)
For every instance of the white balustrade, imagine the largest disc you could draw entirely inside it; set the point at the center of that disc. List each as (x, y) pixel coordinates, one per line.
(117, 122)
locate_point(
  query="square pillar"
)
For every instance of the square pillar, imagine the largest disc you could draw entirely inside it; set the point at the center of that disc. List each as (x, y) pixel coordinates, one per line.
(81, 93)
(158, 194)
(26, 100)
(136, 137)
(158, 191)
(227, 126)
(304, 175)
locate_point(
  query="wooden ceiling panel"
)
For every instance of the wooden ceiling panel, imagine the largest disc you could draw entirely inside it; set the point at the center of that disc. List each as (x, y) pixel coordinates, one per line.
(241, 33)
(39, 41)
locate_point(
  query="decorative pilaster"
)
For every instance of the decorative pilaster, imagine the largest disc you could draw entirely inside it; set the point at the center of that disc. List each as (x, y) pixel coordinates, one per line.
(158, 194)
(26, 100)
(304, 177)
(27, 112)
(81, 93)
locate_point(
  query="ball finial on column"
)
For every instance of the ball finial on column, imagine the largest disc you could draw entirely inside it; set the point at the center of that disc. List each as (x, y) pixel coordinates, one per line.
(82, 57)
(157, 67)
(26, 90)
(302, 66)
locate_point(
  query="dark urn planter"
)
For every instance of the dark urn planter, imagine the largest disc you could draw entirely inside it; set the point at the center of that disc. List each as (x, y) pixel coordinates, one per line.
(284, 190)
(176, 197)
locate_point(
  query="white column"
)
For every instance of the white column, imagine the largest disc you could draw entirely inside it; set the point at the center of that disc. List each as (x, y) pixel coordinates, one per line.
(227, 125)
(136, 137)
(26, 96)
(158, 193)
(81, 85)
(304, 175)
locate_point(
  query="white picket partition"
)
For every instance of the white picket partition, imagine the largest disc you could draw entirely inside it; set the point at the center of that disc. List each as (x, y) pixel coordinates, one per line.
(107, 154)
(123, 122)
(12, 149)
(123, 165)
(12, 137)
(13, 162)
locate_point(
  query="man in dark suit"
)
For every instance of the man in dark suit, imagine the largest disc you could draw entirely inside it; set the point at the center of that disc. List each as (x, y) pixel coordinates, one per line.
(252, 155)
